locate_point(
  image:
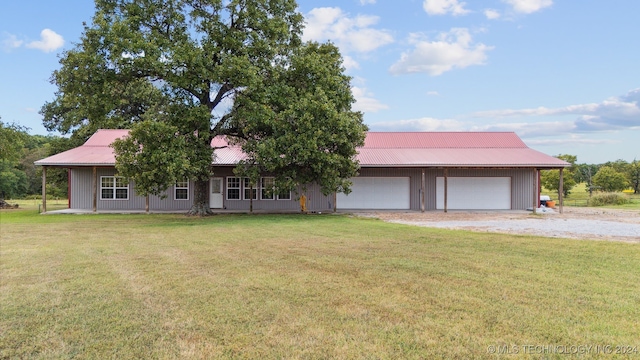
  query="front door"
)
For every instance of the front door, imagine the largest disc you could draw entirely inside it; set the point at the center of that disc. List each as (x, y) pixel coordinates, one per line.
(215, 195)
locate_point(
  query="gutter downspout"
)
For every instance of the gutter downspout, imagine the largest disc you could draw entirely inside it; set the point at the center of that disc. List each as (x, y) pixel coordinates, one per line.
(561, 190)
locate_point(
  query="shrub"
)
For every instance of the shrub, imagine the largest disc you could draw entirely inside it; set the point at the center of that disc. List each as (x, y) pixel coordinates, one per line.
(601, 199)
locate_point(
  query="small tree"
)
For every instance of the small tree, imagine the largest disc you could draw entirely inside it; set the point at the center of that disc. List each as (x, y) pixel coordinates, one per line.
(550, 179)
(608, 179)
(13, 181)
(633, 173)
(585, 174)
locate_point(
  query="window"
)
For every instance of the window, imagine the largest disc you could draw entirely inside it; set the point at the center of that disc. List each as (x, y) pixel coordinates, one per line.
(266, 189)
(233, 188)
(181, 190)
(284, 195)
(248, 191)
(114, 188)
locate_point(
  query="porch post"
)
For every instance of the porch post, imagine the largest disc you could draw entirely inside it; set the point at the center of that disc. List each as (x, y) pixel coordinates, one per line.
(446, 174)
(422, 186)
(95, 189)
(536, 187)
(561, 191)
(69, 188)
(44, 189)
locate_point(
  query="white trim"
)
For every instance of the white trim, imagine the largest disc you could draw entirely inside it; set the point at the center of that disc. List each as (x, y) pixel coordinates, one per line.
(474, 193)
(247, 187)
(239, 188)
(377, 192)
(114, 187)
(263, 188)
(176, 188)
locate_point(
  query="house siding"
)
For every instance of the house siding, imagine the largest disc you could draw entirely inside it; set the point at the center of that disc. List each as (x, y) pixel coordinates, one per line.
(316, 201)
(82, 194)
(522, 188)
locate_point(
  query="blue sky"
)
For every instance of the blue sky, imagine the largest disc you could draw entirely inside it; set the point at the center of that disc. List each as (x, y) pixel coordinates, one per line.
(564, 75)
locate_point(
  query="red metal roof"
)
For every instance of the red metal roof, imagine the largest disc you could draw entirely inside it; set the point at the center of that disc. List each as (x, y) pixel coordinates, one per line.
(442, 140)
(381, 149)
(94, 152)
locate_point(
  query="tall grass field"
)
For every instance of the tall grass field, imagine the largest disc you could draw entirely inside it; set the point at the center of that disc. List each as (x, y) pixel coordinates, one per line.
(306, 287)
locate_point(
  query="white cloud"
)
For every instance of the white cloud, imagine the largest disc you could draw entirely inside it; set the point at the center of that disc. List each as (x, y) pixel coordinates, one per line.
(442, 7)
(349, 63)
(365, 101)
(10, 41)
(365, 2)
(433, 93)
(612, 114)
(49, 41)
(492, 14)
(349, 34)
(528, 6)
(452, 50)
(572, 140)
(421, 124)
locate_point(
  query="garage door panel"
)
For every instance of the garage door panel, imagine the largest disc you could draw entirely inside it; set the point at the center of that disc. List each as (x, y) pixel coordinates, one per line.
(474, 193)
(391, 193)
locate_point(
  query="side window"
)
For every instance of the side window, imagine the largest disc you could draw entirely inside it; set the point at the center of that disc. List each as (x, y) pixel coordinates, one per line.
(266, 188)
(114, 188)
(233, 188)
(181, 190)
(249, 193)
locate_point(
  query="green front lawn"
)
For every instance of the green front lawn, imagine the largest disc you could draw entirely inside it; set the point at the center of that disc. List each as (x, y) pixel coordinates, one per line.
(296, 286)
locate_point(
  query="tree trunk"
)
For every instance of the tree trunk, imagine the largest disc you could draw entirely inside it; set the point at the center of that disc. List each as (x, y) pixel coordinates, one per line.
(200, 205)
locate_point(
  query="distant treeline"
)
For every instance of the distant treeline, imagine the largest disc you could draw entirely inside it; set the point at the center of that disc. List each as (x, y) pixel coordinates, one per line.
(611, 176)
(19, 177)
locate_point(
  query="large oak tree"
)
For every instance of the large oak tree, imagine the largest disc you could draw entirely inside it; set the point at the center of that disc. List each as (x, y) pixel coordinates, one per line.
(180, 72)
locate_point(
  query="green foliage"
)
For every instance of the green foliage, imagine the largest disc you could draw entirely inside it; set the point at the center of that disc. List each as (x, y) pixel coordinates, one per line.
(308, 133)
(550, 179)
(608, 179)
(156, 155)
(602, 199)
(13, 182)
(18, 175)
(12, 140)
(179, 73)
(633, 172)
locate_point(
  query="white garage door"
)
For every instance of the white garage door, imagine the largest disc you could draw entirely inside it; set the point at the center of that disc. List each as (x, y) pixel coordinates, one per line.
(474, 193)
(390, 193)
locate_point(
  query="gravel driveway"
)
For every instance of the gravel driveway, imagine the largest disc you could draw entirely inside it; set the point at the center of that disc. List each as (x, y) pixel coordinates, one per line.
(576, 223)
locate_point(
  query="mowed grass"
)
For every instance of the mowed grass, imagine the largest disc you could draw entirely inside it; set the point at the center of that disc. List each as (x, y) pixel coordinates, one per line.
(296, 286)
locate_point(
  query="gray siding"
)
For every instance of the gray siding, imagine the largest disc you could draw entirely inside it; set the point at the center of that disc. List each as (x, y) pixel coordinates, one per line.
(523, 182)
(316, 201)
(82, 194)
